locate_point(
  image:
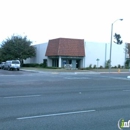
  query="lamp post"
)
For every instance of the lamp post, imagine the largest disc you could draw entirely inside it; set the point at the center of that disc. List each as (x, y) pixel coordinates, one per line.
(111, 42)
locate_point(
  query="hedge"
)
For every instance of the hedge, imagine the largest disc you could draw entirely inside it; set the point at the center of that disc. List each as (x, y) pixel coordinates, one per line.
(30, 65)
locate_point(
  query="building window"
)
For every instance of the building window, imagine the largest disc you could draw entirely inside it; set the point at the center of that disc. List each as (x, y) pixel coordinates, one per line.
(70, 61)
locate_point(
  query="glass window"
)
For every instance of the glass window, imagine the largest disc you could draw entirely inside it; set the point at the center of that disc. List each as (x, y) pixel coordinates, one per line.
(15, 62)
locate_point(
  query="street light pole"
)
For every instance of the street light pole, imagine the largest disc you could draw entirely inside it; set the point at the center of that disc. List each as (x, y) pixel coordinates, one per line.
(111, 47)
(111, 43)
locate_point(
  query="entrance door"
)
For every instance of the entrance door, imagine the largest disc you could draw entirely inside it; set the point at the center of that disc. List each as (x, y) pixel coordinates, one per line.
(55, 62)
(77, 63)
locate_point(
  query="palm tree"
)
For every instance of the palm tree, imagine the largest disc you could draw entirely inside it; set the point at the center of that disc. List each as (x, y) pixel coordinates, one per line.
(118, 39)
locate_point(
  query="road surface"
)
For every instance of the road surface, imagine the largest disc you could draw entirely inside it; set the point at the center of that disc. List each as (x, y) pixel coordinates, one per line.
(63, 101)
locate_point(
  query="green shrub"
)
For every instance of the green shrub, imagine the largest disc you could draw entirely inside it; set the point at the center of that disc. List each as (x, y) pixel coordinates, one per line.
(122, 67)
(101, 67)
(119, 66)
(107, 64)
(31, 65)
(127, 67)
(127, 63)
(94, 67)
(82, 68)
(90, 66)
(115, 66)
(53, 67)
(43, 65)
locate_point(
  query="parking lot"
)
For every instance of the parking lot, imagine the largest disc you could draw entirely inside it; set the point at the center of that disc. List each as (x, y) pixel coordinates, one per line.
(33, 100)
(14, 72)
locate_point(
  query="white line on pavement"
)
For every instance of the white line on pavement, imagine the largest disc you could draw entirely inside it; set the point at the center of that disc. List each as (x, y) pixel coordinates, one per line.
(25, 96)
(54, 73)
(76, 78)
(57, 114)
(126, 90)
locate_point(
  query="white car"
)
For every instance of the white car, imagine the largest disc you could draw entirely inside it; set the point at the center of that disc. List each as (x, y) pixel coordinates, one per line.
(2, 65)
(12, 64)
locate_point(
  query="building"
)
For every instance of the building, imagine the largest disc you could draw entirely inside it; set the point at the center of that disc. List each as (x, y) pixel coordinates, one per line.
(77, 53)
(40, 54)
(65, 51)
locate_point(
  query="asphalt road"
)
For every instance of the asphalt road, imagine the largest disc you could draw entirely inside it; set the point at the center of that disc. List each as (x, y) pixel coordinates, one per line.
(63, 101)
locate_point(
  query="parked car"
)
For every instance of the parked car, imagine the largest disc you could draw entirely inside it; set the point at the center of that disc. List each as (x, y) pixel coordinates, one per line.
(12, 64)
(2, 65)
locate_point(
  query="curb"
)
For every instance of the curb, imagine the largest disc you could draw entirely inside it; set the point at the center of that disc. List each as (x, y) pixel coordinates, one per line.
(75, 72)
(30, 70)
(61, 72)
(114, 72)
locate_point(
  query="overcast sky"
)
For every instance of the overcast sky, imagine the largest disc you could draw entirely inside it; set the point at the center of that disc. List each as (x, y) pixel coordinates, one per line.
(41, 20)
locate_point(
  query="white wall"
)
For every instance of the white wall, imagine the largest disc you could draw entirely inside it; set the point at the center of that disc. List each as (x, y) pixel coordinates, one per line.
(95, 51)
(118, 54)
(40, 54)
(49, 62)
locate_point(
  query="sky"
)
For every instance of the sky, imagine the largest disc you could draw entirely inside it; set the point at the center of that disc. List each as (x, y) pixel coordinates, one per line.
(41, 20)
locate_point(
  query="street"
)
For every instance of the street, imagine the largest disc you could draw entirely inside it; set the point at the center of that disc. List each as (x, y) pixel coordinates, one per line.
(63, 101)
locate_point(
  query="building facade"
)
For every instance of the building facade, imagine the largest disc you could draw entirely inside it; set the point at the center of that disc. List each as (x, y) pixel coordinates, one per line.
(63, 52)
(77, 53)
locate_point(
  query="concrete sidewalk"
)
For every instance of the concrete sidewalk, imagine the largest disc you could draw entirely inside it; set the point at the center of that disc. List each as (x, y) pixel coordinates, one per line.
(75, 70)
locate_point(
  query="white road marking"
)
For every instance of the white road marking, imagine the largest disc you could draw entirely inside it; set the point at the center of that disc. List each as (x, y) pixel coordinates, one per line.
(119, 78)
(110, 77)
(77, 78)
(128, 77)
(56, 114)
(80, 92)
(54, 73)
(126, 90)
(25, 96)
(8, 75)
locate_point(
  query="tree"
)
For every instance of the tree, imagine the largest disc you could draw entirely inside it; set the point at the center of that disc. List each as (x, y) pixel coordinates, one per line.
(128, 48)
(0, 55)
(17, 47)
(127, 54)
(117, 38)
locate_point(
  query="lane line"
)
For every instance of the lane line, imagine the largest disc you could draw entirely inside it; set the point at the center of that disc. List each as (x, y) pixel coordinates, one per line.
(126, 90)
(54, 73)
(76, 78)
(56, 114)
(25, 96)
(111, 77)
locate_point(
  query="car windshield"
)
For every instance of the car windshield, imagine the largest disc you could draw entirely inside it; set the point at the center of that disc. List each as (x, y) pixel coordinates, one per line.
(15, 62)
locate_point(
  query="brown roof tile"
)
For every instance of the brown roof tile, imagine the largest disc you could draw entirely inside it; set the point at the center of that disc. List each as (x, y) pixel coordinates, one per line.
(65, 47)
